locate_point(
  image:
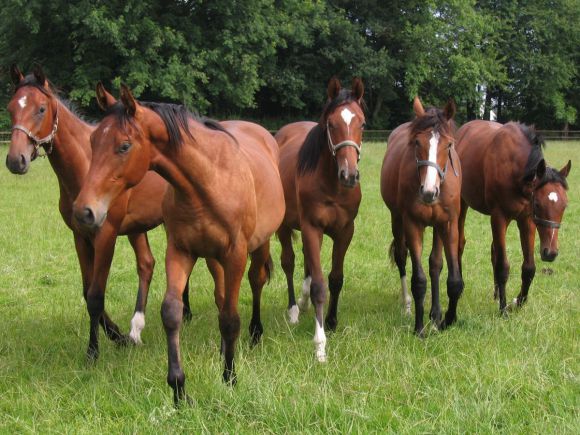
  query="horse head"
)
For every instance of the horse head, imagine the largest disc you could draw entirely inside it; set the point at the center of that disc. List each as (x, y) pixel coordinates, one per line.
(549, 201)
(34, 115)
(121, 154)
(432, 136)
(344, 121)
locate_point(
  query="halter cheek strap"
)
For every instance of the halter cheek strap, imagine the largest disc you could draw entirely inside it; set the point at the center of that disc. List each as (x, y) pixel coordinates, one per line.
(36, 141)
(542, 222)
(345, 143)
(441, 172)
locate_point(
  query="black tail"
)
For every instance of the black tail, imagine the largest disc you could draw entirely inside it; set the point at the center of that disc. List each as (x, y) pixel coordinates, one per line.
(269, 266)
(392, 252)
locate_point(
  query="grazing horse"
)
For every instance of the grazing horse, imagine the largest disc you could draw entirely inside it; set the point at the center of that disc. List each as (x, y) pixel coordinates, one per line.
(319, 170)
(224, 201)
(420, 184)
(507, 178)
(40, 119)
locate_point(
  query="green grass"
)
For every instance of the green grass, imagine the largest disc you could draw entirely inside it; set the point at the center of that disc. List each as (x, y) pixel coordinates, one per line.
(486, 374)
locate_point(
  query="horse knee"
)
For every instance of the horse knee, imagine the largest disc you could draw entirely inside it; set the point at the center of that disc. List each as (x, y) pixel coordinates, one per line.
(229, 325)
(454, 288)
(95, 303)
(435, 265)
(171, 313)
(418, 286)
(502, 271)
(317, 293)
(528, 272)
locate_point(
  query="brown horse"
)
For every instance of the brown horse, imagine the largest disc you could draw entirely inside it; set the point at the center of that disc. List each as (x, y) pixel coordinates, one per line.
(420, 184)
(41, 119)
(319, 170)
(225, 200)
(507, 178)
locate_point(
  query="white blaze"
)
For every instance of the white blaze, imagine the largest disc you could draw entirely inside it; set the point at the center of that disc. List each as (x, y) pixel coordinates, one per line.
(22, 102)
(431, 177)
(347, 116)
(553, 196)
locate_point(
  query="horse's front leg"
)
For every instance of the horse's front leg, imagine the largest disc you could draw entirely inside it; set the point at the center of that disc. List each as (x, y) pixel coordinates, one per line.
(178, 265)
(258, 274)
(414, 237)
(501, 267)
(435, 267)
(336, 276)
(311, 242)
(399, 255)
(234, 264)
(104, 244)
(287, 260)
(450, 236)
(527, 239)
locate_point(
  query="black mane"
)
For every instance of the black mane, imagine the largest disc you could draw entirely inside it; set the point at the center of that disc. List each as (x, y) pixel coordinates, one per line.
(310, 150)
(537, 142)
(175, 117)
(435, 119)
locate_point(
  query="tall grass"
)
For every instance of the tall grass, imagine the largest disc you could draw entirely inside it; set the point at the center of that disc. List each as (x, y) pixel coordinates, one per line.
(486, 374)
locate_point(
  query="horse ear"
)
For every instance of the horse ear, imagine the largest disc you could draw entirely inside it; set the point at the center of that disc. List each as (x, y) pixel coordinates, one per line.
(39, 75)
(566, 169)
(104, 99)
(418, 107)
(333, 88)
(541, 169)
(357, 89)
(15, 73)
(128, 100)
(450, 109)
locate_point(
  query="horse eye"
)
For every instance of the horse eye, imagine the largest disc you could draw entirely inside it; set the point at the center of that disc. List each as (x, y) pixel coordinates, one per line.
(42, 109)
(364, 125)
(417, 143)
(124, 147)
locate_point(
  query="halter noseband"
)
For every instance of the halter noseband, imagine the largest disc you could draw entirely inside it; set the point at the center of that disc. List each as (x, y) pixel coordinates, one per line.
(441, 172)
(345, 143)
(542, 222)
(36, 141)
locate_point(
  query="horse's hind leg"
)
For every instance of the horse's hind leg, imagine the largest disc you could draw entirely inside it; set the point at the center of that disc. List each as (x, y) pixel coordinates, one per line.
(336, 276)
(258, 274)
(435, 267)
(461, 229)
(399, 255)
(287, 260)
(450, 236)
(186, 307)
(145, 266)
(501, 267)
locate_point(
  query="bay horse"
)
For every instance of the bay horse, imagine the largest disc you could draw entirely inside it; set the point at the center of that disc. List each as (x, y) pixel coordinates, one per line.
(41, 119)
(320, 175)
(507, 178)
(224, 201)
(420, 184)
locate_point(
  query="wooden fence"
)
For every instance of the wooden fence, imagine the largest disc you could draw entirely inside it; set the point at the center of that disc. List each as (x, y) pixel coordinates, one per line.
(382, 135)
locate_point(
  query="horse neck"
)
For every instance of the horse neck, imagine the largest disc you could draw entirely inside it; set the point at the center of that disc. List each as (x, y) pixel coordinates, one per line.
(328, 169)
(71, 153)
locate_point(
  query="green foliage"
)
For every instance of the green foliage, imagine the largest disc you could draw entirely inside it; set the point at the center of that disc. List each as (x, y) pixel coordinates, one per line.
(273, 58)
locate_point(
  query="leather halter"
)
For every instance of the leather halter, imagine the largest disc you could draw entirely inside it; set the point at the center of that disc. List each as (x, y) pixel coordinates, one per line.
(345, 143)
(441, 172)
(36, 141)
(542, 222)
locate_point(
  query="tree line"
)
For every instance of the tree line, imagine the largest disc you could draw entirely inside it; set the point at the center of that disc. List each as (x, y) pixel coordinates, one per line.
(270, 60)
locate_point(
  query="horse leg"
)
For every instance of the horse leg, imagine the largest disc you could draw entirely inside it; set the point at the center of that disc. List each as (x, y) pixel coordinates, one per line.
(104, 249)
(304, 299)
(287, 260)
(86, 257)
(145, 266)
(258, 274)
(187, 315)
(178, 265)
(217, 272)
(495, 286)
(336, 276)
(501, 267)
(311, 241)
(435, 267)
(414, 237)
(399, 254)
(527, 239)
(234, 265)
(461, 229)
(450, 235)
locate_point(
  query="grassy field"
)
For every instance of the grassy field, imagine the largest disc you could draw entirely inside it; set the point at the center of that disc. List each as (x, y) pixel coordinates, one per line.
(486, 374)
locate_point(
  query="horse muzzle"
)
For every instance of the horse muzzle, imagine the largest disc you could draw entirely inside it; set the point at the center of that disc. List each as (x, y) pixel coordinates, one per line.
(18, 164)
(349, 180)
(89, 217)
(429, 196)
(548, 255)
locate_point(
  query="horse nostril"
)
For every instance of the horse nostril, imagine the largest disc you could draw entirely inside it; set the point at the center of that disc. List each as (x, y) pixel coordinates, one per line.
(343, 174)
(22, 161)
(357, 176)
(88, 216)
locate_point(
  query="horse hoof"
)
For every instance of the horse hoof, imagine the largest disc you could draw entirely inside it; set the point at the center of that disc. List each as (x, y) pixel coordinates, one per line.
(293, 313)
(331, 324)
(230, 378)
(92, 355)
(256, 332)
(124, 341)
(321, 357)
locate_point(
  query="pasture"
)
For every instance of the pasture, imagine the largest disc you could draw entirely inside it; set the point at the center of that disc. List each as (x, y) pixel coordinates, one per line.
(485, 374)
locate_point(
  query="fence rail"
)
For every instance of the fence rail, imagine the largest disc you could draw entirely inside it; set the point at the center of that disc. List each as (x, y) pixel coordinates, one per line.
(382, 135)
